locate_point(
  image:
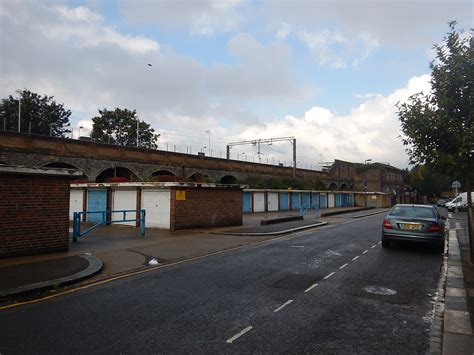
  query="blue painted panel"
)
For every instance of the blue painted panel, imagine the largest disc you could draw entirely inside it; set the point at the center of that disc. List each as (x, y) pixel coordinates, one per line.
(96, 201)
(284, 201)
(305, 199)
(315, 200)
(337, 200)
(351, 200)
(324, 201)
(295, 201)
(247, 202)
(344, 200)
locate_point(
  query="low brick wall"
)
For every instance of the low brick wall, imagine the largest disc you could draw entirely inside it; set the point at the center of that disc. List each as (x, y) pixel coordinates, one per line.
(34, 214)
(205, 207)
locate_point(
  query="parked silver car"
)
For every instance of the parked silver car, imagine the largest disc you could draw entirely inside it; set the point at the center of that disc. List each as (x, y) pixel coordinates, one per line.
(414, 223)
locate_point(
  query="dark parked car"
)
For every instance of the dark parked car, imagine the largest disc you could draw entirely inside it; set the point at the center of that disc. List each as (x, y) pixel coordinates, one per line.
(414, 223)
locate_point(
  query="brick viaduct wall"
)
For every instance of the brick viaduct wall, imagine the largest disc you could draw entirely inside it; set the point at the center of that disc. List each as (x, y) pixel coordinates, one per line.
(93, 158)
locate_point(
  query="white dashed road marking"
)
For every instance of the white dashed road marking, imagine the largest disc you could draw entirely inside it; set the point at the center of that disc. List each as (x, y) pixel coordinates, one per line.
(342, 267)
(365, 252)
(355, 258)
(373, 246)
(238, 335)
(311, 287)
(283, 306)
(380, 242)
(328, 276)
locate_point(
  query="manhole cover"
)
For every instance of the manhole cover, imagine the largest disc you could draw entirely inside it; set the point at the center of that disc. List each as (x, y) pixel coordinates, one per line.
(296, 282)
(379, 290)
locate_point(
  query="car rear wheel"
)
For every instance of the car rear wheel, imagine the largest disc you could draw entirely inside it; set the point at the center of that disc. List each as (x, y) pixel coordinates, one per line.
(385, 243)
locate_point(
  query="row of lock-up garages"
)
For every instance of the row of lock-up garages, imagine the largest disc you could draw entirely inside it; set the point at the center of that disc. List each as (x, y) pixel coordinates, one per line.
(285, 200)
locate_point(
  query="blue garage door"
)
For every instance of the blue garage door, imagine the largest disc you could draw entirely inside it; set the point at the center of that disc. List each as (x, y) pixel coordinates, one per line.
(351, 200)
(305, 199)
(295, 201)
(315, 200)
(323, 201)
(96, 201)
(337, 200)
(344, 200)
(284, 201)
(247, 203)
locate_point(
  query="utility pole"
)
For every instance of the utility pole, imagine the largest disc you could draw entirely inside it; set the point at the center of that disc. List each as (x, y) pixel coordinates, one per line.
(269, 141)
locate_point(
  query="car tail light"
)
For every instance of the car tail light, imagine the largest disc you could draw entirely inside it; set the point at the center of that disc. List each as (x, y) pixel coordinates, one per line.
(387, 224)
(435, 227)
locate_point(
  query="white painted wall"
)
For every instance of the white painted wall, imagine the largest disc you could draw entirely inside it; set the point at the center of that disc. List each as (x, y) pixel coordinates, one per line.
(259, 202)
(75, 202)
(124, 200)
(157, 204)
(272, 201)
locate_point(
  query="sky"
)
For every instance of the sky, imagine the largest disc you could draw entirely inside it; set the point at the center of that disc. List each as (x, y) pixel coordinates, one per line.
(326, 72)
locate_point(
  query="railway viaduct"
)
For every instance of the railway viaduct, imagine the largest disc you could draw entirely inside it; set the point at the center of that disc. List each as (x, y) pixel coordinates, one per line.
(99, 161)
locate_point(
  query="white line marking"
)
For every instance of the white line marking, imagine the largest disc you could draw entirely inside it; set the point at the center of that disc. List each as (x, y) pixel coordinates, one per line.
(238, 335)
(373, 246)
(343, 266)
(311, 287)
(355, 258)
(297, 246)
(380, 242)
(364, 252)
(328, 276)
(283, 306)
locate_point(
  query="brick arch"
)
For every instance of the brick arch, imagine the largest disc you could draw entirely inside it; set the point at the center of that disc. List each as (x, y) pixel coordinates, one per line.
(343, 187)
(163, 172)
(333, 186)
(116, 172)
(198, 177)
(228, 179)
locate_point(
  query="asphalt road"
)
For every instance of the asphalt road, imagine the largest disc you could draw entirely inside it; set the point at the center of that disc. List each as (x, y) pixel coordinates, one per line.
(331, 290)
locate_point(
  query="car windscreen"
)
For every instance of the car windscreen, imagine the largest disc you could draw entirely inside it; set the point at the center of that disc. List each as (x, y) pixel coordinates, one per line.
(413, 212)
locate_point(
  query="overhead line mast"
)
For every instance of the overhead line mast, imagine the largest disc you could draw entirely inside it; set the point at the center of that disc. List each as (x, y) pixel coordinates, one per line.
(257, 142)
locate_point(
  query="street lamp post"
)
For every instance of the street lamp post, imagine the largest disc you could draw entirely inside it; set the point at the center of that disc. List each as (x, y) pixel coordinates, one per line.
(79, 134)
(19, 109)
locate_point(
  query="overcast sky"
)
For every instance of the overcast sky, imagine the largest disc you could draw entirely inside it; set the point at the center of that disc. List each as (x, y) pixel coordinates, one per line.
(328, 73)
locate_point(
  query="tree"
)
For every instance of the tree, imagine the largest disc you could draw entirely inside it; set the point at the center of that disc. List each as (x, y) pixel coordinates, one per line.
(438, 126)
(39, 114)
(120, 127)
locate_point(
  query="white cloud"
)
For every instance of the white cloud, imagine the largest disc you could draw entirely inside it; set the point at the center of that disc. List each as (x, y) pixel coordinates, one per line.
(199, 17)
(370, 131)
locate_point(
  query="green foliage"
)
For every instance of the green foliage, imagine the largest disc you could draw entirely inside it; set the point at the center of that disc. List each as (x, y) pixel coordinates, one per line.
(428, 182)
(39, 114)
(120, 127)
(438, 126)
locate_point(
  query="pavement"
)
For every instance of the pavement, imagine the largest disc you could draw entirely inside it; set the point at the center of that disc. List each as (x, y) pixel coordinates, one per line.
(117, 250)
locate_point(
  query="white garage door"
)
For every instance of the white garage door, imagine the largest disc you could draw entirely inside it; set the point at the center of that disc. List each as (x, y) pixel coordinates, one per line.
(75, 202)
(156, 203)
(258, 202)
(331, 200)
(272, 201)
(124, 200)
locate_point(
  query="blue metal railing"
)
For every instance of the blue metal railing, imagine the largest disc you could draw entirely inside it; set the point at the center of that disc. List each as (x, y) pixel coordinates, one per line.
(76, 228)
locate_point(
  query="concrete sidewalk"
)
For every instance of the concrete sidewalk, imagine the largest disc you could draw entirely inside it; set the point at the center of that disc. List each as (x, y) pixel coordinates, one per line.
(118, 249)
(458, 320)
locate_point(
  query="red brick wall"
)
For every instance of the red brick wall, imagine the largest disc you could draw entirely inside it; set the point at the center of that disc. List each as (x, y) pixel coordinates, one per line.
(34, 214)
(206, 207)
